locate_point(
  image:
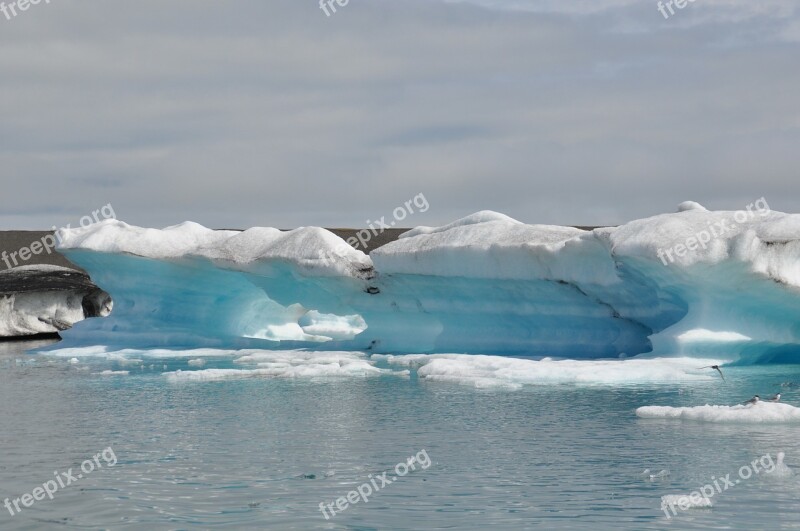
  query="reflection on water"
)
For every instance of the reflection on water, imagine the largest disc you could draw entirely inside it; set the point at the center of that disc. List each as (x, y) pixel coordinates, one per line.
(257, 453)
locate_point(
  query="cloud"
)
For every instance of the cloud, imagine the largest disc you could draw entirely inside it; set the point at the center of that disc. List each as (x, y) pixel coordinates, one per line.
(251, 113)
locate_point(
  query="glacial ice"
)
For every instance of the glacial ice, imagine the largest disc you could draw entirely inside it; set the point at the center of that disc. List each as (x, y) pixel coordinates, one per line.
(781, 470)
(495, 371)
(485, 284)
(480, 371)
(290, 364)
(676, 502)
(43, 299)
(761, 412)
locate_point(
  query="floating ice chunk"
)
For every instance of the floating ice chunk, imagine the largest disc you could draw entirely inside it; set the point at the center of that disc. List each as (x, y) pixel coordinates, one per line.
(701, 335)
(334, 327)
(291, 364)
(135, 355)
(657, 475)
(124, 360)
(197, 362)
(760, 412)
(781, 469)
(684, 502)
(489, 371)
(74, 361)
(113, 373)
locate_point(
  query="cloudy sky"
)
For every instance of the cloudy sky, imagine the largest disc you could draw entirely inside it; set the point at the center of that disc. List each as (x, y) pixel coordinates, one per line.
(270, 113)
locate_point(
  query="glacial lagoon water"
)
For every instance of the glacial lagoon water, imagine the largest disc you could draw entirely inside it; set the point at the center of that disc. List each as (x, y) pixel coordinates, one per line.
(264, 452)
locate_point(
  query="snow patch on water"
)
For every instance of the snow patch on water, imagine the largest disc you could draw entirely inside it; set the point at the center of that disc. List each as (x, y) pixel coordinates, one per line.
(781, 469)
(761, 412)
(490, 371)
(291, 364)
(684, 502)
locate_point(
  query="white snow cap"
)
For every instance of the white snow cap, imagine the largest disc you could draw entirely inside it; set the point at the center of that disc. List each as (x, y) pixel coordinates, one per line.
(488, 245)
(484, 216)
(691, 205)
(312, 248)
(767, 240)
(492, 245)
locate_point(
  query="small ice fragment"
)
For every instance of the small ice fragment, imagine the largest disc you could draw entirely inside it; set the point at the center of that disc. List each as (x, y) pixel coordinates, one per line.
(648, 474)
(74, 361)
(781, 469)
(197, 362)
(684, 502)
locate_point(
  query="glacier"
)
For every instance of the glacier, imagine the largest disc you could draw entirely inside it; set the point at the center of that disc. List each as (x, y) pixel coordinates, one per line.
(695, 283)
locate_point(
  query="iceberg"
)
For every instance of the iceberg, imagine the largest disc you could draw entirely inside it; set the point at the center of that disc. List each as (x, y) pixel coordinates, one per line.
(47, 299)
(718, 285)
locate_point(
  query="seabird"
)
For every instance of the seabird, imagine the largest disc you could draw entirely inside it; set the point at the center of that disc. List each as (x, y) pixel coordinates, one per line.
(776, 398)
(716, 368)
(752, 401)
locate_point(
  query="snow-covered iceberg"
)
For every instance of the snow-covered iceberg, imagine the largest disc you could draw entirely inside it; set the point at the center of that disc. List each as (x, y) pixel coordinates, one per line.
(723, 285)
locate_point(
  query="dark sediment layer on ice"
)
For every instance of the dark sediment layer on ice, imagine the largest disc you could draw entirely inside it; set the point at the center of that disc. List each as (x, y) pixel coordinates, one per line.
(63, 291)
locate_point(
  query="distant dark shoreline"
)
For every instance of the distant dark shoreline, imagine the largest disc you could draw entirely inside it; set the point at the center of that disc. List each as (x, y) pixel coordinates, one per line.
(12, 241)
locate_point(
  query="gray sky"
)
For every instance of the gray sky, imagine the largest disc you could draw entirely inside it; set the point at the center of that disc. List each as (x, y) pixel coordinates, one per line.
(252, 112)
